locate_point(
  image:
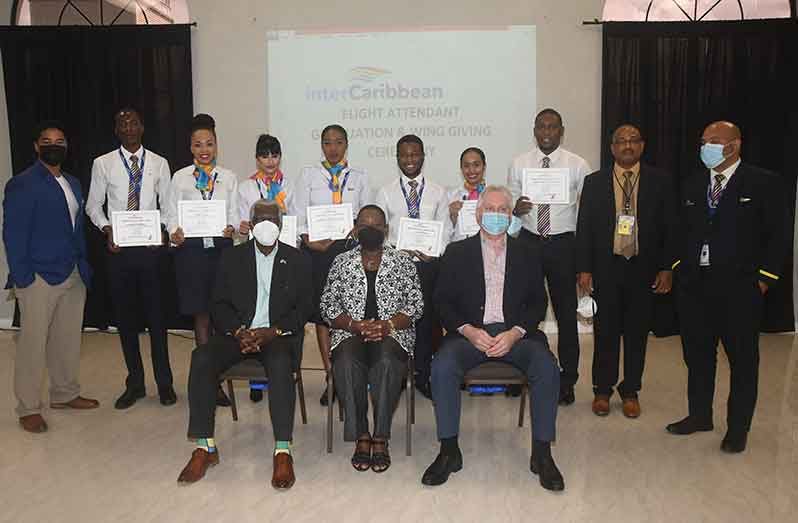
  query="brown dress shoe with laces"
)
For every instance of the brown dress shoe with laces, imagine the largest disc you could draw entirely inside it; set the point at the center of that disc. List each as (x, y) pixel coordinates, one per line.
(631, 407)
(601, 405)
(200, 461)
(33, 423)
(283, 475)
(79, 403)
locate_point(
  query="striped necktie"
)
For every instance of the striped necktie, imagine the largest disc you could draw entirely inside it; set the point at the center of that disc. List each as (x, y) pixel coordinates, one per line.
(134, 186)
(412, 200)
(544, 212)
(717, 191)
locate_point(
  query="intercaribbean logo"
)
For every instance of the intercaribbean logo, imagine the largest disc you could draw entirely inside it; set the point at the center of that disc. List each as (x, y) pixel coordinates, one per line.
(367, 74)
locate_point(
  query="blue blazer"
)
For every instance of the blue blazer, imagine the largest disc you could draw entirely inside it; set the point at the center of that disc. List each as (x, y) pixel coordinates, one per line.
(37, 231)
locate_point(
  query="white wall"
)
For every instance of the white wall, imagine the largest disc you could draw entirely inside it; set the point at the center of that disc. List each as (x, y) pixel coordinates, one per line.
(6, 308)
(229, 61)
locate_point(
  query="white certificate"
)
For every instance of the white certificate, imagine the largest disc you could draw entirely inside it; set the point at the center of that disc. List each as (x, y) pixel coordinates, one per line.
(136, 228)
(425, 236)
(467, 218)
(202, 218)
(329, 222)
(546, 186)
(288, 232)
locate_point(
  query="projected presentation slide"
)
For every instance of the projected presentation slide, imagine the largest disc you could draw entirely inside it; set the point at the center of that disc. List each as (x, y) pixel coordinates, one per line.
(453, 88)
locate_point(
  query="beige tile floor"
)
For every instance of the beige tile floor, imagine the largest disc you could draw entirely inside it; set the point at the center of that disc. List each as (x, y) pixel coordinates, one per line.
(108, 465)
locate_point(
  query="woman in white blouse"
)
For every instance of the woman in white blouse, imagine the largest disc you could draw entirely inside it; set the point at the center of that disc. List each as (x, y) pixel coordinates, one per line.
(268, 182)
(472, 167)
(196, 259)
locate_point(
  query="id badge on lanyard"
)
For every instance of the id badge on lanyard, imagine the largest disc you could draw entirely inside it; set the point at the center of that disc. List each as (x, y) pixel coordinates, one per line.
(626, 225)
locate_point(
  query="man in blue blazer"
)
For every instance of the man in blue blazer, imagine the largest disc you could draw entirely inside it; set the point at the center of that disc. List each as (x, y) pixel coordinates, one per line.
(43, 227)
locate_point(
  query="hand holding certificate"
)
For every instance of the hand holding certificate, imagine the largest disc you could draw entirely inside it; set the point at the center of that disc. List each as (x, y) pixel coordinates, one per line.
(329, 222)
(546, 186)
(202, 218)
(467, 218)
(424, 236)
(136, 228)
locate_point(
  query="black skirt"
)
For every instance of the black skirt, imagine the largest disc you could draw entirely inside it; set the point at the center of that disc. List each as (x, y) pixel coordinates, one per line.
(195, 273)
(321, 263)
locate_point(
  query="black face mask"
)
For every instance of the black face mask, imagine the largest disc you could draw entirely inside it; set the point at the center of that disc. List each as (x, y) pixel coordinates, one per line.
(370, 238)
(52, 155)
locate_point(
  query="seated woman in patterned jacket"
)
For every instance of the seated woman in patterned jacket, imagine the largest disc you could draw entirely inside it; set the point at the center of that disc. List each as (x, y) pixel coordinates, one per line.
(371, 301)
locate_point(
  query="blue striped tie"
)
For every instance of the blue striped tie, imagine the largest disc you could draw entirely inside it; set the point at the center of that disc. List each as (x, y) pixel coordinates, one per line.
(412, 200)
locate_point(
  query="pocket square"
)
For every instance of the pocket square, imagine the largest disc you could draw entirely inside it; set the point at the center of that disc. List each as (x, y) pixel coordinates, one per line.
(743, 199)
(689, 203)
(283, 262)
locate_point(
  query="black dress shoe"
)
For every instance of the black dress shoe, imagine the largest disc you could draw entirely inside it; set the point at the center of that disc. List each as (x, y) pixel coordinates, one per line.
(547, 471)
(734, 442)
(438, 472)
(567, 396)
(689, 425)
(128, 398)
(255, 395)
(167, 395)
(424, 389)
(221, 398)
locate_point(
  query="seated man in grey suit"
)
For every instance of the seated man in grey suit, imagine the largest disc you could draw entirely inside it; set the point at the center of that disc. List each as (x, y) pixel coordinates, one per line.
(490, 297)
(260, 303)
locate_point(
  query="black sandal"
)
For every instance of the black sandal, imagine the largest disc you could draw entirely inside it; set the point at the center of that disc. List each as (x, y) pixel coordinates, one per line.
(361, 459)
(380, 460)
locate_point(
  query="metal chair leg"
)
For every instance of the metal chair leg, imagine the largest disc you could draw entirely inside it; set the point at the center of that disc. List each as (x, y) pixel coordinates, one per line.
(409, 417)
(524, 388)
(300, 390)
(329, 412)
(412, 379)
(232, 395)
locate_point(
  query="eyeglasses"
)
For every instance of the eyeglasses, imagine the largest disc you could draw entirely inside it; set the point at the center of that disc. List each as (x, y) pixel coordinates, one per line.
(628, 141)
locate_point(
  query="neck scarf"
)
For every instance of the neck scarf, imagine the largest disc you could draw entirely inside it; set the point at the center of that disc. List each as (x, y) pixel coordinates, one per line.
(274, 186)
(474, 190)
(335, 183)
(203, 176)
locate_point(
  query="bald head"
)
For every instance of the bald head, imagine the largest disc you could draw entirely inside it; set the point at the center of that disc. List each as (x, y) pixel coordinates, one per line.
(728, 135)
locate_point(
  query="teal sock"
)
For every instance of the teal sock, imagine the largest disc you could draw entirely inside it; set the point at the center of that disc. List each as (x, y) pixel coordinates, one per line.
(206, 444)
(282, 447)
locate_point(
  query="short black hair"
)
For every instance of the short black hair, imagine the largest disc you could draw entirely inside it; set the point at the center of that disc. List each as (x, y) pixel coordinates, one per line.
(335, 127)
(549, 110)
(477, 150)
(128, 109)
(43, 125)
(203, 122)
(268, 145)
(375, 208)
(409, 138)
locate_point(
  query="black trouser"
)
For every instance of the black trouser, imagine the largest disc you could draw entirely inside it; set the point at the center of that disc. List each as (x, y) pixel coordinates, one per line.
(355, 365)
(559, 268)
(280, 358)
(713, 309)
(428, 328)
(624, 304)
(135, 281)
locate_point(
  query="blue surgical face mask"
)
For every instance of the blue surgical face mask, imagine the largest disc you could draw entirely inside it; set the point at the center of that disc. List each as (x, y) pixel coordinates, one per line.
(712, 154)
(495, 223)
(515, 226)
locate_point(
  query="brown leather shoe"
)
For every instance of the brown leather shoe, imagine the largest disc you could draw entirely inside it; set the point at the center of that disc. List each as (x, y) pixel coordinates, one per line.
(631, 407)
(79, 403)
(33, 423)
(601, 405)
(200, 461)
(283, 474)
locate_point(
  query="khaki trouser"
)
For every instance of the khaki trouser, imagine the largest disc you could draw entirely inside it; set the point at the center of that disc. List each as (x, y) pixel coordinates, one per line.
(51, 321)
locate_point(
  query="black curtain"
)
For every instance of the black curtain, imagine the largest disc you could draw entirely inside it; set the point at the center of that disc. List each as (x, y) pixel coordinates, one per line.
(672, 79)
(82, 76)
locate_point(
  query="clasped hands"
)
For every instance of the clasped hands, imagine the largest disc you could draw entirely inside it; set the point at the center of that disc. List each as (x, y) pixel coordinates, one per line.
(252, 340)
(493, 346)
(370, 330)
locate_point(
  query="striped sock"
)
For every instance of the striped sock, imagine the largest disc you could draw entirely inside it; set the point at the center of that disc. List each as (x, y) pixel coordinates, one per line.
(282, 447)
(207, 444)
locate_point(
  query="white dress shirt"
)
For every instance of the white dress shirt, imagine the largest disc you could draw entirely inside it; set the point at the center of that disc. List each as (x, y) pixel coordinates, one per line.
(562, 217)
(250, 191)
(110, 179)
(313, 188)
(433, 205)
(183, 187)
(72, 202)
(728, 173)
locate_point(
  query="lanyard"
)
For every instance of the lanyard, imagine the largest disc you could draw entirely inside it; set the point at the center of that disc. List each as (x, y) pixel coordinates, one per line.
(209, 195)
(130, 171)
(627, 197)
(420, 194)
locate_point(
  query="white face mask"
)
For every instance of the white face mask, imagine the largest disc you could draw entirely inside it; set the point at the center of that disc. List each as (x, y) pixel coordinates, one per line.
(265, 233)
(586, 307)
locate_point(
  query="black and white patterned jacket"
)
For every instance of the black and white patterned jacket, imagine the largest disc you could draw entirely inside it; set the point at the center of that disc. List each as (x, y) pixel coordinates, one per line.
(398, 289)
